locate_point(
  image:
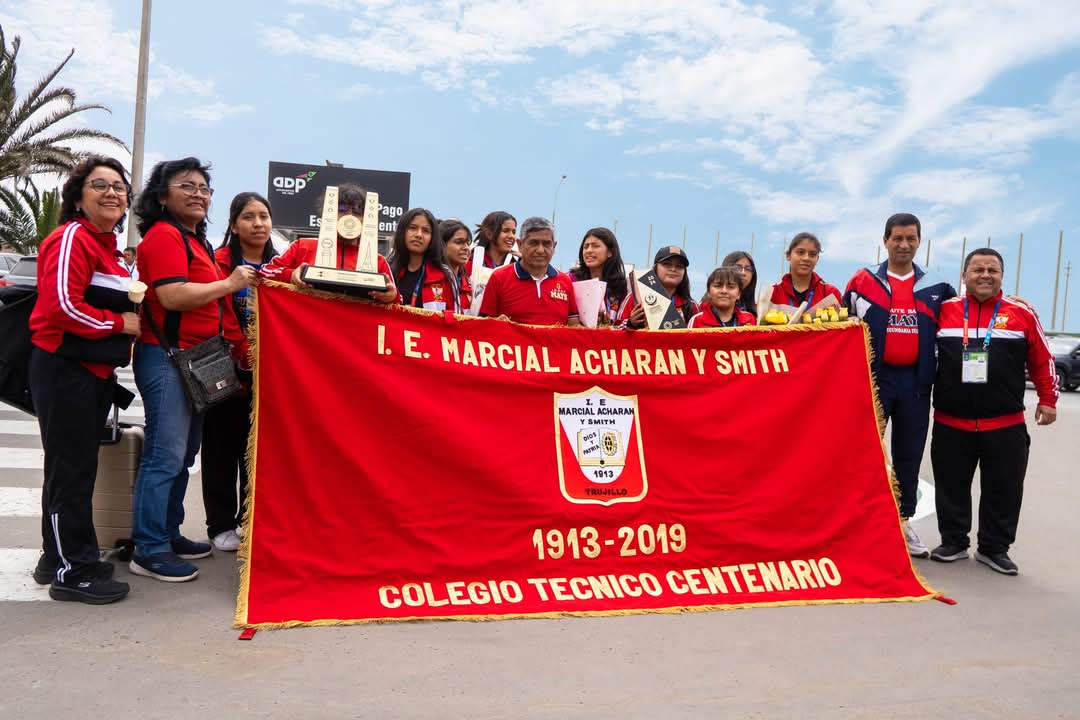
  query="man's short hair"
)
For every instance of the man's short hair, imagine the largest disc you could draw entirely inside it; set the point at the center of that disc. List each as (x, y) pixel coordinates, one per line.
(535, 224)
(984, 251)
(903, 220)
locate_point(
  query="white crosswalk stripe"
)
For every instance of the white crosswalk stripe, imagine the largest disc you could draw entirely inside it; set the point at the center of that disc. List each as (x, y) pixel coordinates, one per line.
(21, 463)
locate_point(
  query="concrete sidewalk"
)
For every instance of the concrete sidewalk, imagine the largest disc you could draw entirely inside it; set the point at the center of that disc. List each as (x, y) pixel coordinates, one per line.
(1010, 648)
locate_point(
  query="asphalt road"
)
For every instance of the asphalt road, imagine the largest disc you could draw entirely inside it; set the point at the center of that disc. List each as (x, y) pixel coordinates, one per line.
(1009, 648)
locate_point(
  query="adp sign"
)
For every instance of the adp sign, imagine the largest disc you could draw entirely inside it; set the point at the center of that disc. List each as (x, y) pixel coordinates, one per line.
(294, 191)
(292, 185)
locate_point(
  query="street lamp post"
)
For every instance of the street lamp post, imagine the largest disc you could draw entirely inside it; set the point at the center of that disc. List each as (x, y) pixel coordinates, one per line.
(555, 204)
(140, 116)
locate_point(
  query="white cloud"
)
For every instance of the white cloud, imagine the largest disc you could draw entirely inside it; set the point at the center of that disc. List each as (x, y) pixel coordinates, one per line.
(959, 186)
(215, 112)
(941, 55)
(100, 71)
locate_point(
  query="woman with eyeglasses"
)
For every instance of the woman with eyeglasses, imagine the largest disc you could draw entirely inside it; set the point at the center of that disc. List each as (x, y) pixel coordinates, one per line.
(458, 241)
(227, 425)
(185, 305)
(289, 265)
(801, 284)
(82, 328)
(744, 265)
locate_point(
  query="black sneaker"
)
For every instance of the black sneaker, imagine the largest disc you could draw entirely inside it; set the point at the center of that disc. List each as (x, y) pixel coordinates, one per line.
(190, 549)
(949, 553)
(93, 591)
(45, 572)
(998, 562)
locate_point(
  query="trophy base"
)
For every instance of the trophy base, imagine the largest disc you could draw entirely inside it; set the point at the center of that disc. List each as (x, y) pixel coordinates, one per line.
(350, 282)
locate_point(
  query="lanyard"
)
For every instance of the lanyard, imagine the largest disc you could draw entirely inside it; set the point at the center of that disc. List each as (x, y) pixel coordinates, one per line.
(989, 328)
(734, 321)
(419, 284)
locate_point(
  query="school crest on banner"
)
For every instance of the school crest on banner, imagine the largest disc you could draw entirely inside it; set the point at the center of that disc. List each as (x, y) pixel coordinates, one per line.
(598, 445)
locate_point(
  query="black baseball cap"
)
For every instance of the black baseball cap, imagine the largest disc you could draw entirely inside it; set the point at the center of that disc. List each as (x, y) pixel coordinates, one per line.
(671, 251)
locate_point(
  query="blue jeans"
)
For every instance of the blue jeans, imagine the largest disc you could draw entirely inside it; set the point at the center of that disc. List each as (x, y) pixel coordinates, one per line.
(172, 440)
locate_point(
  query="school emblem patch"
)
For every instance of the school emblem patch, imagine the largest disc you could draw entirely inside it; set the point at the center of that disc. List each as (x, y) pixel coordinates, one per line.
(598, 448)
(1001, 321)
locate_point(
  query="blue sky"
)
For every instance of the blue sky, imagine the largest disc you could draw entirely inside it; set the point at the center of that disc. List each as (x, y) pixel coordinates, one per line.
(744, 119)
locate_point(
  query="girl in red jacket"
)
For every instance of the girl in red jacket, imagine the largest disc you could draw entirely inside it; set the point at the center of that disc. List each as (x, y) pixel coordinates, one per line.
(458, 241)
(419, 267)
(226, 426)
(723, 295)
(802, 283)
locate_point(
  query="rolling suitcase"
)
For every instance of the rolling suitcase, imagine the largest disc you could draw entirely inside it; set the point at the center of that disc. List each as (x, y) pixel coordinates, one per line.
(118, 464)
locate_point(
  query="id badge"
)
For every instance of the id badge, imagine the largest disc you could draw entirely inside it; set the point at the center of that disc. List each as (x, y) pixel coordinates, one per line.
(975, 367)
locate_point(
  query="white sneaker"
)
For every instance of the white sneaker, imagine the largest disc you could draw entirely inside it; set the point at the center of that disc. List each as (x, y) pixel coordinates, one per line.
(915, 546)
(240, 532)
(227, 541)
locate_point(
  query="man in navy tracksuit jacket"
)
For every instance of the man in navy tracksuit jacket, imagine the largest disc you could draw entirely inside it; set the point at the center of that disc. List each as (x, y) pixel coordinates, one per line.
(900, 302)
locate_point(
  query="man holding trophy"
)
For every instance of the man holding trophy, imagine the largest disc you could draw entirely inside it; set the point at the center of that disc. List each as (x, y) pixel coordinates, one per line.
(344, 258)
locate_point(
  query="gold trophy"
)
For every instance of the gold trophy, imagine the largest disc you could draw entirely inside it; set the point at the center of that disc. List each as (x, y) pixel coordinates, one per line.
(324, 274)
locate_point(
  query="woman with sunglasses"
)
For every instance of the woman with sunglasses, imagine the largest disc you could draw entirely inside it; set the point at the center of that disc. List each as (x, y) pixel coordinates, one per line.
(184, 307)
(288, 266)
(83, 325)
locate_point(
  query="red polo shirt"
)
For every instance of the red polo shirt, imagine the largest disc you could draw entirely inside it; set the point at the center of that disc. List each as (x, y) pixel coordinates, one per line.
(513, 292)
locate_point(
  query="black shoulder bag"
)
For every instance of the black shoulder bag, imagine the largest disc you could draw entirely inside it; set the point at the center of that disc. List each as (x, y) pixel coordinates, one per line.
(207, 369)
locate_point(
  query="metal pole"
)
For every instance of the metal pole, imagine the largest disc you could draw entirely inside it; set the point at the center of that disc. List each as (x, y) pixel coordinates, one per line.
(878, 261)
(1057, 276)
(140, 117)
(1019, 257)
(648, 252)
(555, 204)
(927, 253)
(987, 241)
(751, 244)
(716, 257)
(615, 230)
(1065, 303)
(684, 237)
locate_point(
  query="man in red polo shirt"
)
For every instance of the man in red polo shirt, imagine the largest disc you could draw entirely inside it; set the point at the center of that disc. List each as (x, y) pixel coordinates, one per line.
(530, 290)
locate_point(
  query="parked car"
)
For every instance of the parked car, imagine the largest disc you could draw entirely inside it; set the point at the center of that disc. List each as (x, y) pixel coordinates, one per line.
(24, 273)
(1066, 349)
(7, 261)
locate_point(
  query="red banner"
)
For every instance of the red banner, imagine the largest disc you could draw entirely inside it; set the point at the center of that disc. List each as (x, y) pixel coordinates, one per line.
(413, 465)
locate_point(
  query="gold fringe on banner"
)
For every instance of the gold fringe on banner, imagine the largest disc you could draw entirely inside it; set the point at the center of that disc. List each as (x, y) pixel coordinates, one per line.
(240, 619)
(672, 610)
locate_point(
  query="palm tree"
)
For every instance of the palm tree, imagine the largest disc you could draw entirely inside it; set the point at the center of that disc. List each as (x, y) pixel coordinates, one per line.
(27, 217)
(31, 143)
